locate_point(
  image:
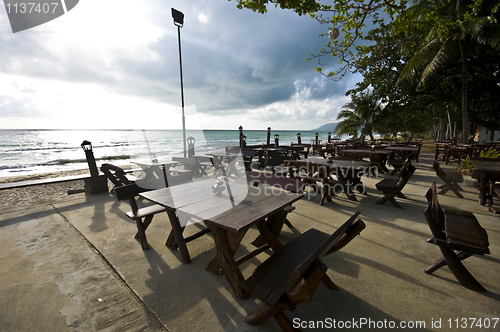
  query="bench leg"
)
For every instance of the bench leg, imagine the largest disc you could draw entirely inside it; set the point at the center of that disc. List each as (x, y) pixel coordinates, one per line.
(145, 225)
(458, 269)
(389, 197)
(329, 283)
(302, 293)
(454, 188)
(395, 204)
(284, 322)
(442, 262)
(142, 234)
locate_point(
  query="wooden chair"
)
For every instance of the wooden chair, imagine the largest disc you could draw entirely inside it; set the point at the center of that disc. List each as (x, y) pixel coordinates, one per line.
(392, 186)
(117, 175)
(451, 180)
(130, 191)
(292, 275)
(458, 235)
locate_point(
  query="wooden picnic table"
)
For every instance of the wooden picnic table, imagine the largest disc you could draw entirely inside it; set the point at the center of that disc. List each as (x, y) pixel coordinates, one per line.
(155, 170)
(379, 156)
(404, 151)
(348, 172)
(229, 216)
(229, 159)
(486, 171)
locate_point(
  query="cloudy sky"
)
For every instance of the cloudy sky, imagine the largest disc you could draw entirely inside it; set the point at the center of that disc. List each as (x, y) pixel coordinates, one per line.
(115, 64)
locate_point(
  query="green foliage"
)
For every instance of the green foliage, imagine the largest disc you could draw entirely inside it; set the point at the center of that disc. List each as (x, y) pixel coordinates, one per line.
(380, 38)
(466, 163)
(353, 18)
(491, 153)
(361, 115)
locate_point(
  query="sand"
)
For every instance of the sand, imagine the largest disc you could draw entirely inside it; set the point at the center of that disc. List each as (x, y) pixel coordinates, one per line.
(33, 194)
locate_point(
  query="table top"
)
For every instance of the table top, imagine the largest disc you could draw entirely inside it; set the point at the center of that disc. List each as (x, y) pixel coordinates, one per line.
(224, 155)
(490, 167)
(149, 163)
(402, 148)
(340, 163)
(366, 151)
(270, 149)
(244, 207)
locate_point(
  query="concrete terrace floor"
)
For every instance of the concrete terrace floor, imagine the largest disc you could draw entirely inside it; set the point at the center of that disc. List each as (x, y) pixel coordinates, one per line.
(72, 264)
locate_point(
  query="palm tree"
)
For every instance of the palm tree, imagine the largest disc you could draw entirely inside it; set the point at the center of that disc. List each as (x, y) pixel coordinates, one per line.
(361, 115)
(450, 27)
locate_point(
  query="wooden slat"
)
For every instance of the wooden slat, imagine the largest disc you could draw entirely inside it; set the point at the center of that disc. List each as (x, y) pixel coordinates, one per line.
(269, 279)
(249, 214)
(146, 211)
(463, 232)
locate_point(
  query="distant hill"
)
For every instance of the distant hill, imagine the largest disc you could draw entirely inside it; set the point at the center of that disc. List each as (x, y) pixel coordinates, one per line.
(326, 127)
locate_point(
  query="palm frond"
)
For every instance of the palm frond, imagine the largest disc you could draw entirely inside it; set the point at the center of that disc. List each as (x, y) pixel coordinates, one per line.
(419, 61)
(447, 52)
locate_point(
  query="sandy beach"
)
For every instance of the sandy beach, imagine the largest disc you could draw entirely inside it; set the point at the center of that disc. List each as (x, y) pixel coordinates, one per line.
(39, 193)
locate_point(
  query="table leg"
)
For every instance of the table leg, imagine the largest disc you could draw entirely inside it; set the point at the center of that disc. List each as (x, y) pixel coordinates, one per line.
(269, 235)
(483, 189)
(225, 255)
(233, 240)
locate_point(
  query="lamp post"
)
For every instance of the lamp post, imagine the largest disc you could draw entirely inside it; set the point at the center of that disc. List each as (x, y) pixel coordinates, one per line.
(96, 183)
(179, 22)
(89, 155)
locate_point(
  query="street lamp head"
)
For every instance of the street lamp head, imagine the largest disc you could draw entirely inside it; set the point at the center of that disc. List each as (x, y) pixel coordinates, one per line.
(178, 17)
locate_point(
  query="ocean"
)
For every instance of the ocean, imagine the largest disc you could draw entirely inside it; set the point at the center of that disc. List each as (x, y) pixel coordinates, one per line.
(25, 152)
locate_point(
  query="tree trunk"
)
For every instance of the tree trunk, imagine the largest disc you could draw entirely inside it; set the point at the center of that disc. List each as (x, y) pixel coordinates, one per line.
(465, 76)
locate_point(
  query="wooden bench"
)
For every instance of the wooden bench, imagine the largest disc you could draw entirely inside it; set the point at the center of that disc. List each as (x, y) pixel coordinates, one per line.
(292, 275)
(130, 191)
(451, 180)
(392, 186)
(117, 175)
(458, 235)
